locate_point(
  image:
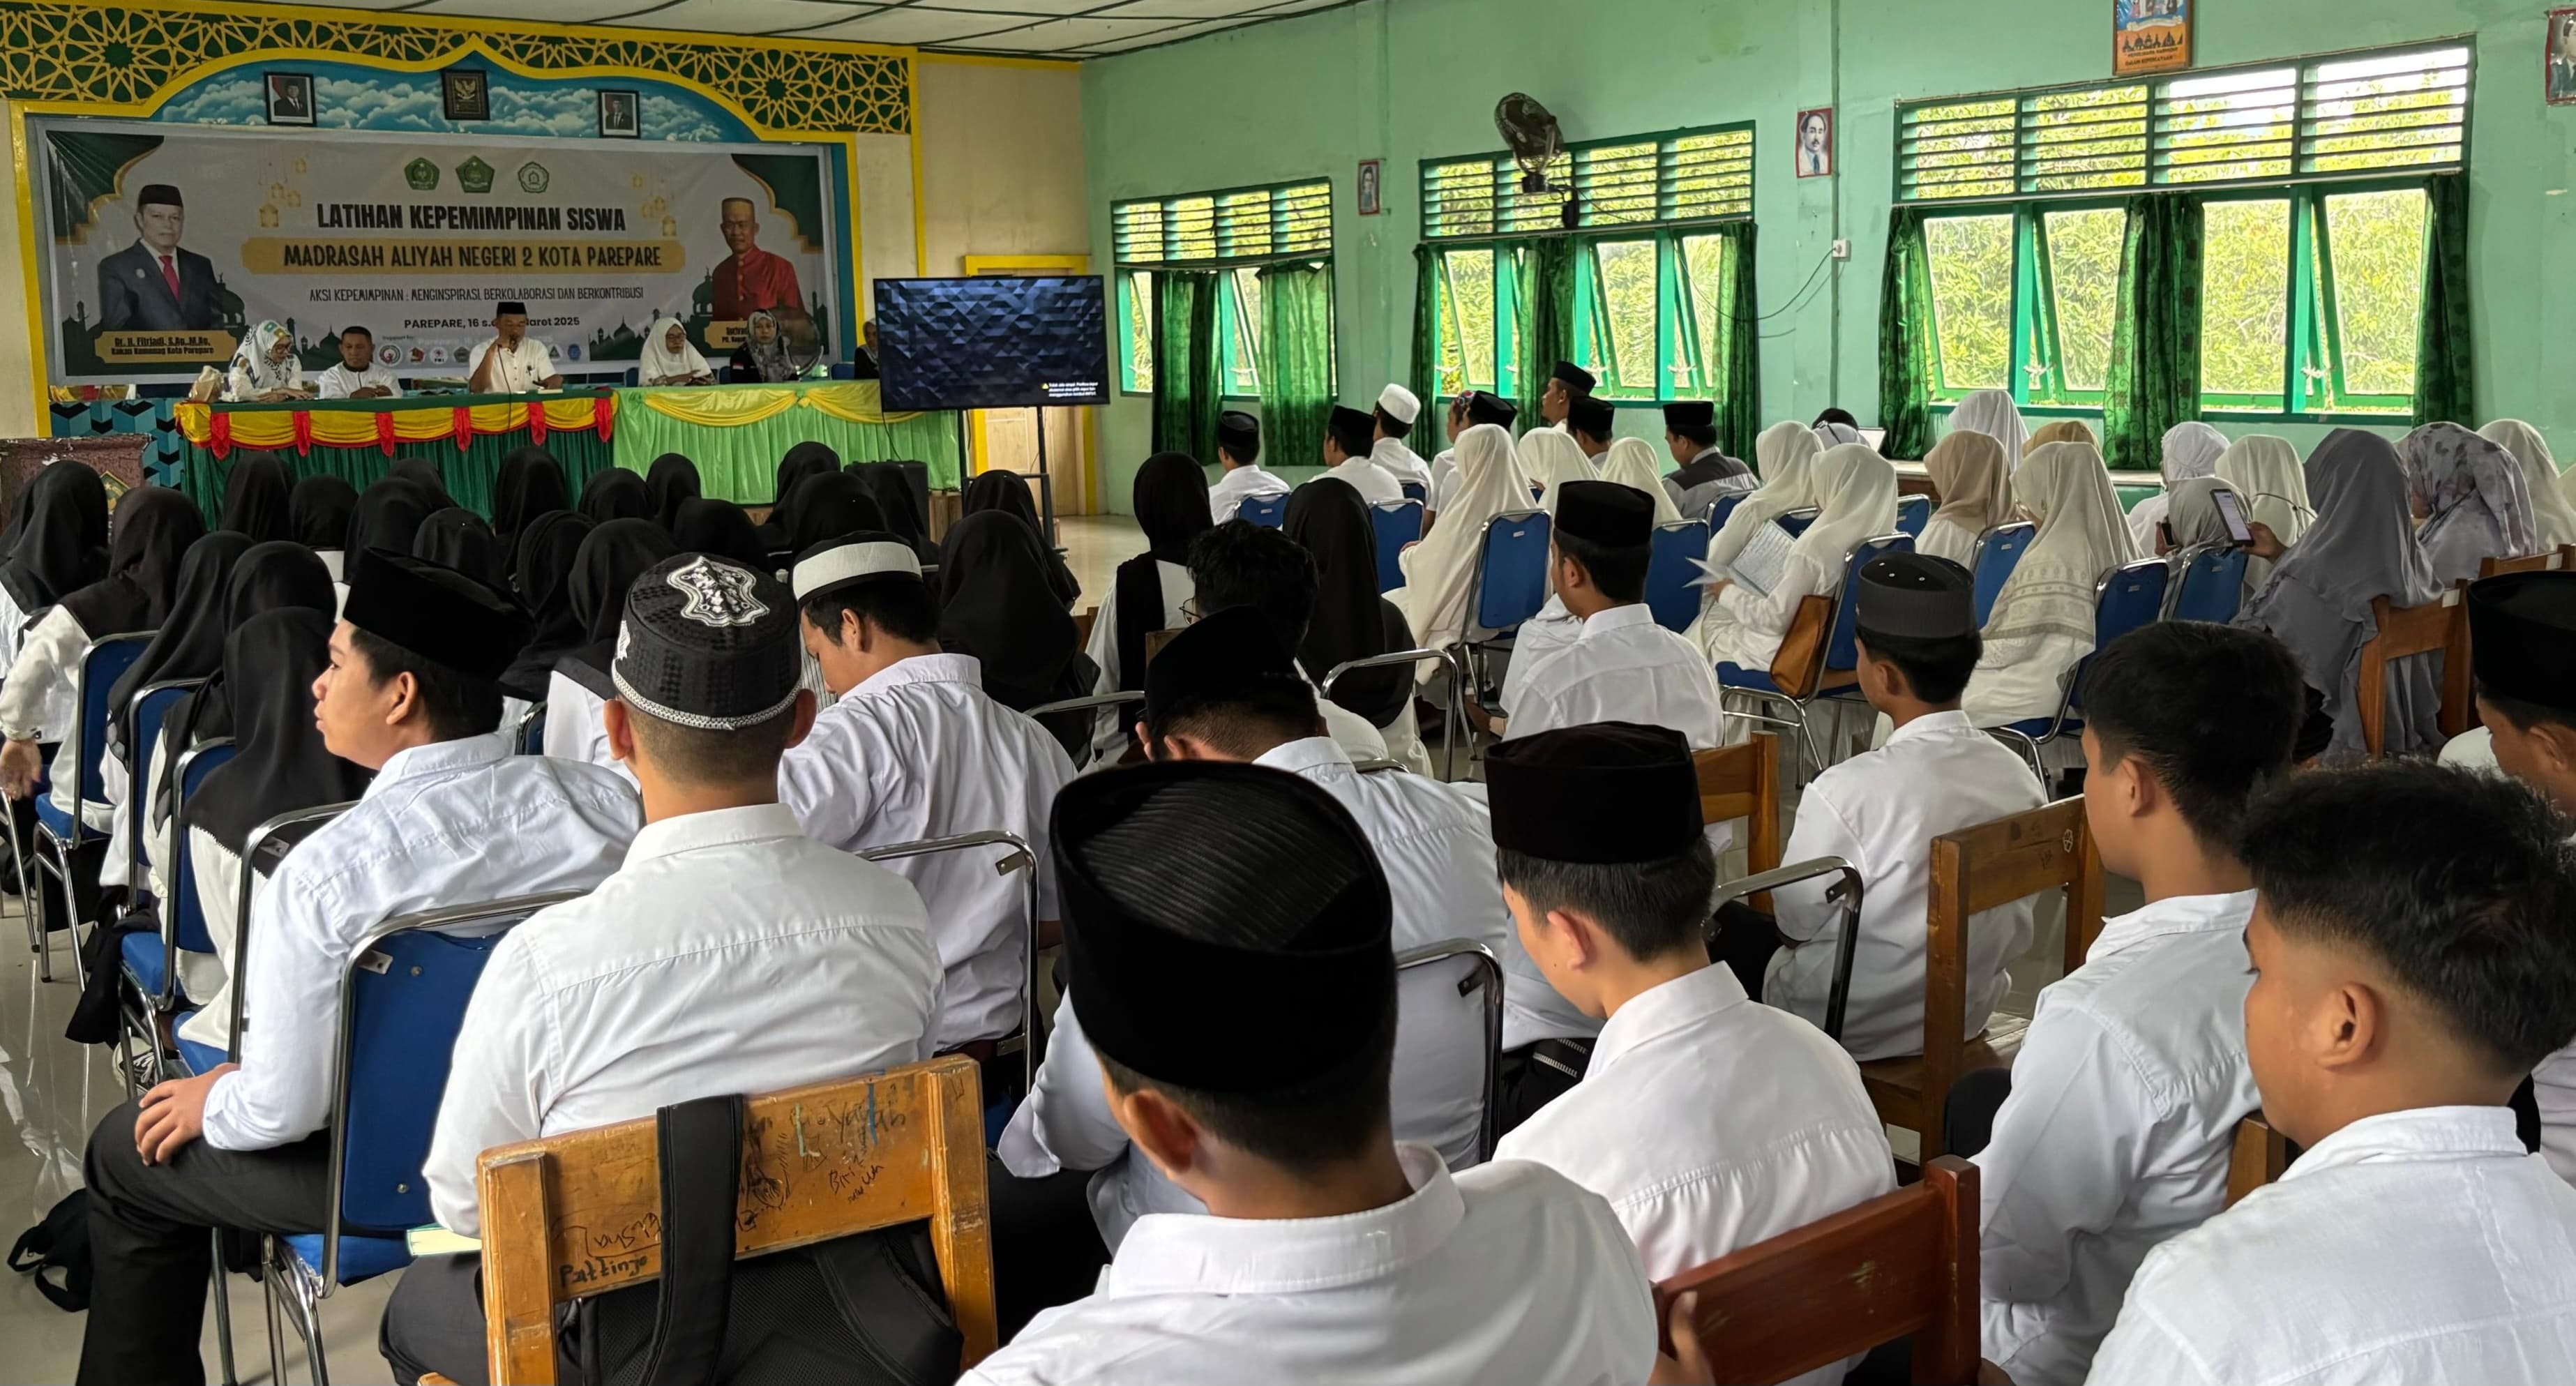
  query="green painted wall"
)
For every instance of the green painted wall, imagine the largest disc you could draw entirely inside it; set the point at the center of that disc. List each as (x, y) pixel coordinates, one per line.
(1405, 80)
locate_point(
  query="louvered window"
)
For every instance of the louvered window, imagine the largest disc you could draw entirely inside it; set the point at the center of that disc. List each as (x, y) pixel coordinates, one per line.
(1686, 176)
(1238, 230)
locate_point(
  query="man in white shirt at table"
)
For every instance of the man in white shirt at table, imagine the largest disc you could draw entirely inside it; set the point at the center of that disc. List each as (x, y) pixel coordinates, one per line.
(1620, 666)
(452, 817)
(1243, 1007)
(1349, 437)
(1397, 408)
(2409, 970)
(511, 362)
(730, 954)
(1710, 1121)
(357, 376)
(1238, 443)
(2132, 1077)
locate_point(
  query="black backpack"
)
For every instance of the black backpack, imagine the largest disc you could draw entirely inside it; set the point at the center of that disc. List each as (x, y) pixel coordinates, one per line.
(59, 1243)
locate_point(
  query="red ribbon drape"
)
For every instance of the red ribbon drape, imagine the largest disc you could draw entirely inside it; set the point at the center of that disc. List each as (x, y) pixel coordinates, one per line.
(536, 423)
(385, 432)
(602, 413)
(301, 422)
(464, 429)
(219, 434)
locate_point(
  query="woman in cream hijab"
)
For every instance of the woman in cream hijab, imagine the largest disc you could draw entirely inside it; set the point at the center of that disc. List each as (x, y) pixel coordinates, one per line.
(2550, 509)
(1786, 454)
(669, 359)
(1551, 459)
(1992, 413)
(2042, 623)
(2267, 472)
(2063, 431)
(1439, 571)
(1974, 480)
(264, 367)
(2191, 450)
(1631, 463)
(1855, 490)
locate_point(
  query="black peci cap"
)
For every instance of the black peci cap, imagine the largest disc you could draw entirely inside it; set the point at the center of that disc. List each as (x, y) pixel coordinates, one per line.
(708, 643)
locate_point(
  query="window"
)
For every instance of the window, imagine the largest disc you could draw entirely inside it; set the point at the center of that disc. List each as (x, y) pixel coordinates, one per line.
(2313, 226)
(1650, 275)
(1237, 232)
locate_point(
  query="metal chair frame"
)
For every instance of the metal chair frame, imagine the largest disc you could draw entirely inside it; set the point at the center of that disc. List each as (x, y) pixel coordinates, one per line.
(1844, 610)
(2184, 562)
(1469, 638)
(140, 1023)
(532, 720)
(1088, 702)
(1031, 1043)
(251, 846)
(2029, 746)
(1847, 894)
(53, 855)
(1457, 692)
(1978, 560)
(1489, 979)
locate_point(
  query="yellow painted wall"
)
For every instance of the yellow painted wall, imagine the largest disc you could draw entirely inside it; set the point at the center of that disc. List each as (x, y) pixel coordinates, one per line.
(1001, 161)
(17, 404)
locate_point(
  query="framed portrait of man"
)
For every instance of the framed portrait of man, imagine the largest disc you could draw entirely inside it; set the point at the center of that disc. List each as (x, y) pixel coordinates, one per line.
(619, 118)
(2558, 63)
(290, 98)
(1816, 142)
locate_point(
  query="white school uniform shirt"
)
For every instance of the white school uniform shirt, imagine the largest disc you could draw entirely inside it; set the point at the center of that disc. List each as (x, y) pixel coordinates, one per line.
(37, 703)
(1240, 484)
(1621, 668)
(340, 382)
(1375, 484)
(2123, 1113)
(730, 954)
(574, 730)
(1505, 1274)
(2419, 1246)
(1538, 639)
(1711, 1123)
(208, 982)
(522, 370)
(1880, 811)
(443, 824)
(918, 751)
(1402, 463)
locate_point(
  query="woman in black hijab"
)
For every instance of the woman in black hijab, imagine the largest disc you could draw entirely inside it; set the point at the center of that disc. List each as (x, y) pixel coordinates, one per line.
(424, 473)
(1328, 519)
(996, 606)
(719, 527)
(544, 572)
(1008, 492)
(190, 643)
(906, 511)
(457, 538)
(317, 516)
(1171, 503)
(257, 498)
(389, 515)
(274, 576)
(827, 507)
(674, 479)
(614, 493)
(529, 484)
(281, 766)
(154, 527)
(802, 463)
(611, 557)
(61, 547)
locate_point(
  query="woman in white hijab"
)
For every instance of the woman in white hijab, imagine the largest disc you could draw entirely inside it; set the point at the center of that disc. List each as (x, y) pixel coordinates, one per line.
(1785, 454)
(1838, 434)
(2042, 623)
(2191, 450)
(1970, 471)
(670, 359)
(1439, 571)
(1855, 490)
(1631, 463)
(264, 367)
(2267, 472)
(1992, 413)
(2551, 512)
(1551, 459)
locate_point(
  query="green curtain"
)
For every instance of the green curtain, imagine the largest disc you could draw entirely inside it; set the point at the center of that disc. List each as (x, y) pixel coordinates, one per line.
(1188, 390)
(468, 472)
(1735, 371)
(2443, 345)
(1543, 290)
(741, 464)
(1296, 361)
(1905, 338)
(2155, 331)
(1426, 345)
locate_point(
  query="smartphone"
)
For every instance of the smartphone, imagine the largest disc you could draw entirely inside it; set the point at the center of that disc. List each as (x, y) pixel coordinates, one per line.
(2231, 513)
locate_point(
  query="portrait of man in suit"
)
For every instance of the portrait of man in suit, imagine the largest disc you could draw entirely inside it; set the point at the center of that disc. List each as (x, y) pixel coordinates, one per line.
(153, 285)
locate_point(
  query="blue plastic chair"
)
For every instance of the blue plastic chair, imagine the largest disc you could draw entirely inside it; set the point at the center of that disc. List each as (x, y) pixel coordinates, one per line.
(531, 735)
(58, 833)
(2208, 584)
(290, 827)
(1722, 507)
(1416, 492)
(845, 370)
(1998, 553)
(1269, 512)
(1912, 514)
(1670, 570)
(1510, 584)
(1397, 525)
(1796, 521)
(2129, 597)
(1835, 670)
(402, 1000)
(148, 958)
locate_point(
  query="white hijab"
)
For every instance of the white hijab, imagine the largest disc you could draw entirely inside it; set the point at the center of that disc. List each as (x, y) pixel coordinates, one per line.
(1992, 413)
(1786, 454)
(1439, 570)
(660, 362)
(2267, 472)
(2082, 536)
(1631, 463)
(1855, 500)
(1834, 435)
(2550, 509)
(262, 374)
(1551, 459)
(2191, 451)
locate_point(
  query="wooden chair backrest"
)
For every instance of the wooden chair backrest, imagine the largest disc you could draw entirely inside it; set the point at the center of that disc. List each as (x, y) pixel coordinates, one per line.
(1083, 620)
(1744, 782)
(1155, 640)
(1902, 1263)
(2549, 562)
(2261, 1154)
(2412, 630)
(579, 1214)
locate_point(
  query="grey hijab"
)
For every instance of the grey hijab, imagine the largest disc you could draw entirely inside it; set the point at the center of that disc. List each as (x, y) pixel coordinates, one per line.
(2475, 501)
(2193, 516)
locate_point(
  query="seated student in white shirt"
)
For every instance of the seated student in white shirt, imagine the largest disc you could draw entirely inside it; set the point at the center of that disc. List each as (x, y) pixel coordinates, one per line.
(451, 817)
(1708, 1120)
(1397, 409)
(914, 748)
(730, 953)
(1880, 811)
(1242, 1005)
(1238, 443)
(1622, 667)
(1349, 437)
(1242, 564)
(357, 376)
(1855, 492)
(2409, 970)
(510, 362)
(2130, 1082)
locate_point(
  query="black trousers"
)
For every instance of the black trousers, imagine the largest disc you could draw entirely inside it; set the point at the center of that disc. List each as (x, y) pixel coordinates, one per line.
(434, 1322)
(1534, 1075)
(1046, 1247)
(1968, 1116)
(1746, 939)
(150, 1249)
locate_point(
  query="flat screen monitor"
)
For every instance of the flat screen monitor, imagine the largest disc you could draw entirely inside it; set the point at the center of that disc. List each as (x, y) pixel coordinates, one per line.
(992, 342)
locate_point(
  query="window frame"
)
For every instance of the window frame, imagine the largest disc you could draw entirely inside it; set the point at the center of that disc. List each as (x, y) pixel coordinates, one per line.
(1291, 221)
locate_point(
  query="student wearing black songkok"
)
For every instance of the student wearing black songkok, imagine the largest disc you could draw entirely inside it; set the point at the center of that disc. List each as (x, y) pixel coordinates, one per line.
(827, 507)
(672, 480)
(257, 498)
(902, 493)
(457, 538)
(722, 528)
(997, 607)
(1009, 492)
(1331, 523)
(61, 548)
(425, 474)
(317, 516)
(603, 570)
(529, 484)
(614, 493)
(543, 577)
(802, 463)
(1565, 384)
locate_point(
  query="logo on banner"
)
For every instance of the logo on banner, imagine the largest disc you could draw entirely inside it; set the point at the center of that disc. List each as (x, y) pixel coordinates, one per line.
(474, 175)
(422, 175)
(533, 178)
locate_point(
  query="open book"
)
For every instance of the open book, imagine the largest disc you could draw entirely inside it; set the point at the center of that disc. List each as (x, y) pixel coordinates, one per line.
(1758, 565)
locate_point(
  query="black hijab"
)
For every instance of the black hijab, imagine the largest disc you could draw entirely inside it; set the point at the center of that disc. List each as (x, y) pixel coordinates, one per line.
(190, 643)
(318, 511)
(278, 575)
(282, 765)
(388, 515)
(457, 538)
(154, 527)
(803, 462)
(673, 479)
(257, 500)
(614, 493)
(1171, 502)
(827, 507)
(543, 572)
(17, 518)
(609, 560)
(1008, 492)
(1328, 519)
(424, 473)
(529, 484)
(62, 546)
(906, 510)
(996, 606)
(719, 527)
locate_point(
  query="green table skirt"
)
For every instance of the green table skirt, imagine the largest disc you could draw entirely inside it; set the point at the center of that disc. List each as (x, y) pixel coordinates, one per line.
(740, 463)
(468, 471)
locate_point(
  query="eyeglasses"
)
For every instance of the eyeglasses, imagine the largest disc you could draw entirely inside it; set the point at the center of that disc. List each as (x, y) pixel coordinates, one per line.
(1190, 612)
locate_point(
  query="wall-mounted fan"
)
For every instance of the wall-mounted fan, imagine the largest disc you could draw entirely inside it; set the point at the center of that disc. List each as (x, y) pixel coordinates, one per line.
(1535, 139)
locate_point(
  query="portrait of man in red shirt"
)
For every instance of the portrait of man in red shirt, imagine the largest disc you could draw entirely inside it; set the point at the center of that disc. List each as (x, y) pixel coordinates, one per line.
(752, 279)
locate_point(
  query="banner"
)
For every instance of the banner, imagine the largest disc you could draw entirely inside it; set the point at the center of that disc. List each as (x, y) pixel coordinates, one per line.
(171, 242)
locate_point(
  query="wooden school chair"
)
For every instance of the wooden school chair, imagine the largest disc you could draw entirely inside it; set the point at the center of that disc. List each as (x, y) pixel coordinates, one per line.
(1082, 623)
(2443, 625)
(1975, 870)
(1744, 782)
(1902, 1263)
(2261, 1154)
(2549, 562)
(820, 1162)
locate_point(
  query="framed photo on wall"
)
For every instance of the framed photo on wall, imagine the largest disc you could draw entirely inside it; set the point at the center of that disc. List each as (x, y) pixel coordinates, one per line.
(2558, 63)
(290, 98)
(2150, 36)
(619, 118)
(466, 93)
(1371, 171)
(1816, 142)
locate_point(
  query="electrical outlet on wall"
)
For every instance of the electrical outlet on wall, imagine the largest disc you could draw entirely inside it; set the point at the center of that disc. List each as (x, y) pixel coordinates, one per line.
(1842, 250)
